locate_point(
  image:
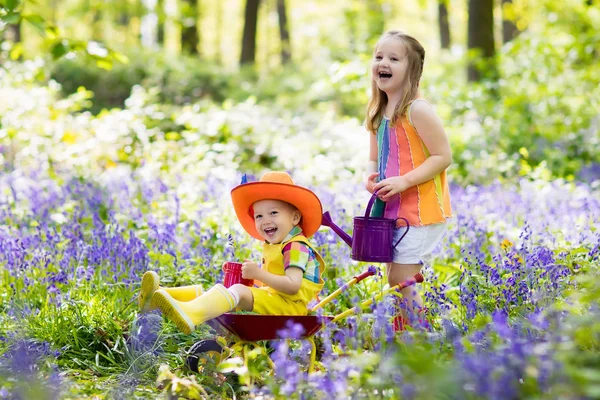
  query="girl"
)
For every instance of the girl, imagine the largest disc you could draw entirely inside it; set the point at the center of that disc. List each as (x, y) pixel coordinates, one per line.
(409, 154)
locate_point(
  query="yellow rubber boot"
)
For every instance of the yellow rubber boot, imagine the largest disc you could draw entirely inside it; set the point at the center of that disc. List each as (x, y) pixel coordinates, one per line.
(187, 315)
(185, 293)
(150, 283)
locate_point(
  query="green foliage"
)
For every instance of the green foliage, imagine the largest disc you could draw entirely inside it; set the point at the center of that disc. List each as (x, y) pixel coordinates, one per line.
(11, 12)
(540, 119)
(110, 87)
(545, 114)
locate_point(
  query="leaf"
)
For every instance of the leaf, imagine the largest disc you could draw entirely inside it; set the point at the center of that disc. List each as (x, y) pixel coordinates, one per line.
(580, 250)
(122, 58)
(12, 18)
(37, 22)
(16, 52)
(51, 31)
(11, 4)
(59, 49)
(104, 64)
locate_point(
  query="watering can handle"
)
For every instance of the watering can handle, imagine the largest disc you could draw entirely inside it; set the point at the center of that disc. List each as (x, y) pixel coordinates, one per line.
(405, 232)
(369, 206)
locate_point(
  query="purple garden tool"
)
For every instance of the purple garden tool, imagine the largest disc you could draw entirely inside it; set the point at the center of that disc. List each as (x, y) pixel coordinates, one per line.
(373, 239)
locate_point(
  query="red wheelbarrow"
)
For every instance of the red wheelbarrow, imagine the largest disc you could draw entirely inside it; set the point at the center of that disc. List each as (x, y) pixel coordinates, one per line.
(247, 329)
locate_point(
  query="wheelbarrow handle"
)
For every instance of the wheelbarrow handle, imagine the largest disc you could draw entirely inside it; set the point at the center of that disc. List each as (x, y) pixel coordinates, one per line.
(418, 278)
(369, 272)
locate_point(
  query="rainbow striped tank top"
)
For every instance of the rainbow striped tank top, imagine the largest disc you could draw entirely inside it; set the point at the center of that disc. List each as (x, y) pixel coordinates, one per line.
(400, 150)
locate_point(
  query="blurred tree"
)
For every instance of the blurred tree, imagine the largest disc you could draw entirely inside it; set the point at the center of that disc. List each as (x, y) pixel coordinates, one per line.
(509, 28)
(249, 37)
(98, 14)
(375, 21)
(149, 25)
(351, 14)
(443, 24)
(218, 55)
(124, 14)
(55, 44)
(190, 36)
(160, 11)
(481, 41)
(284, 32)
(14, 32)
(10, 21)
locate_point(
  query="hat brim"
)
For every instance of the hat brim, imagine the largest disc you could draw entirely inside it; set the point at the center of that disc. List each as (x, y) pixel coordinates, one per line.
(309, 205)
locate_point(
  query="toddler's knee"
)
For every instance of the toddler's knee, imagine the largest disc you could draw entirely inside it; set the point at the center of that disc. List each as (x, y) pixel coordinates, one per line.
(242, 290)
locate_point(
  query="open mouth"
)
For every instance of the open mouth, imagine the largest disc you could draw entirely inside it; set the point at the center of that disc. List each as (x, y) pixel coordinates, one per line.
(270, 231)
(385, 75)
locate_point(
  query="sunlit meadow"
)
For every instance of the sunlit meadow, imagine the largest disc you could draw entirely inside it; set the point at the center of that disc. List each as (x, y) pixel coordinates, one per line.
(88, 203)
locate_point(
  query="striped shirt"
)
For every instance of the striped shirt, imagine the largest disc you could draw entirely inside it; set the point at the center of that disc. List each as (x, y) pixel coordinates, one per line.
(401, 150)
(296, 254)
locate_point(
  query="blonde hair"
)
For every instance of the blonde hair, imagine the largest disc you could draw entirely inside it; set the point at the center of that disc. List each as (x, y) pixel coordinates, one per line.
(416, 57)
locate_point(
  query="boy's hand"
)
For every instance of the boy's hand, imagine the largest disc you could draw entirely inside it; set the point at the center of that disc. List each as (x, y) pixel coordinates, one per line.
(371, 181)
(250, 270)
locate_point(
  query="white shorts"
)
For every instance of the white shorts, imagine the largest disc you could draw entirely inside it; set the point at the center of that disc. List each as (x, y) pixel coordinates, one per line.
(417, 245)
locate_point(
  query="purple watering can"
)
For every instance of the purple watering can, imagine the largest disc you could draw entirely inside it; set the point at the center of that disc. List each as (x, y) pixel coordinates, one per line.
(373, 239)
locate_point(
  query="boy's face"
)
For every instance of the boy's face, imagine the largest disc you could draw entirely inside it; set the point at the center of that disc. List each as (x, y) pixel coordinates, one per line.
(274, 219)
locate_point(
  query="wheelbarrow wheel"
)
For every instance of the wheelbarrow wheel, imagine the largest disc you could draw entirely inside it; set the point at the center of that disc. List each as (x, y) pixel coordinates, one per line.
(202, 353)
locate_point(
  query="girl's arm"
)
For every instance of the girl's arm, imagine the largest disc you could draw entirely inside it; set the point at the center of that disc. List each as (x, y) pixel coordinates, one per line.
(372, 165)
(288, 283)
(430, 129)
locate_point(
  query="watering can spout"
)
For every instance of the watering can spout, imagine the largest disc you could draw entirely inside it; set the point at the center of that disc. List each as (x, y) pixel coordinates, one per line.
(326, 221)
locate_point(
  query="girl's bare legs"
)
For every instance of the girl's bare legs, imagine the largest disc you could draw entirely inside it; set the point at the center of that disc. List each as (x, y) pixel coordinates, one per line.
(398, 273)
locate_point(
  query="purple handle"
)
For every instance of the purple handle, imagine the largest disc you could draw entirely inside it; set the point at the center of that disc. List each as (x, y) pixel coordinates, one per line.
(405, 232)
(369, 206)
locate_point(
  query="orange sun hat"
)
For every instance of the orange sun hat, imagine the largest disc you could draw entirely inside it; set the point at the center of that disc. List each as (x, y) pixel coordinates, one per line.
(276, 185)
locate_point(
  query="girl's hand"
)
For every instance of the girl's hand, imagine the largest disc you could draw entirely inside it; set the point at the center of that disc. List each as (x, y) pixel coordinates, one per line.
(371, 181)
(250, 270)
(390, 187)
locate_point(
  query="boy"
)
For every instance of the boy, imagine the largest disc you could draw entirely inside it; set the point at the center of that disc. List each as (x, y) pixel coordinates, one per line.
(282, 215)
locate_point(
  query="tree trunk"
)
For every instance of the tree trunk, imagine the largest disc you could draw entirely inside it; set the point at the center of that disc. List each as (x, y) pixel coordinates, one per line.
(509, 29)
(124, 17)
(218, 54)
(53, 11)
(284, 32)
(351, 23)
(189, 27)
(14, 32)
(443, 24)
(149, 25)
(481, 39)
(249, 38)
(160, 12)
(97, 28)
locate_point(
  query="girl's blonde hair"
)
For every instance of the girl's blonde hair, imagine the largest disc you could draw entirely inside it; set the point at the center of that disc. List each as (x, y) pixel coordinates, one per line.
(416, 57)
